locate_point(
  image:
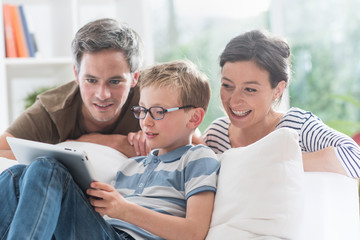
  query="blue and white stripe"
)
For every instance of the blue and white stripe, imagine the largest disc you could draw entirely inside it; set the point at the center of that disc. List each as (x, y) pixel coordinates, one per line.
(164, 183)
(216, 136)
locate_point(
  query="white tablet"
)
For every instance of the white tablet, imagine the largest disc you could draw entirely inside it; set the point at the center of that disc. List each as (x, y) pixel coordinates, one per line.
(76, 162)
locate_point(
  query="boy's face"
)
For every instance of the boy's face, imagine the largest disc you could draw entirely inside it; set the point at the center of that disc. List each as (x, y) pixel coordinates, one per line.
(105, 81)
(170, 132)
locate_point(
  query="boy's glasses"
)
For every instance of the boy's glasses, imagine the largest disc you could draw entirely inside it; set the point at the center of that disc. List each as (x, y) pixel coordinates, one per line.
(156, 113)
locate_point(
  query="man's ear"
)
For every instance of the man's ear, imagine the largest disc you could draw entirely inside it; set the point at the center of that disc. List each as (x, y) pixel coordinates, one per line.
(135, 78)
(76, 75)
(196, 118)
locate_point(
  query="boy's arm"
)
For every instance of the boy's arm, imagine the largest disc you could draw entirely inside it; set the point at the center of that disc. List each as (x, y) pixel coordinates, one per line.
(194, 226)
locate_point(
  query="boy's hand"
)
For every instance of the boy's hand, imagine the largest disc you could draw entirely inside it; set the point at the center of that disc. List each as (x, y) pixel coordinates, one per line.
(106, 200)
(138, 141)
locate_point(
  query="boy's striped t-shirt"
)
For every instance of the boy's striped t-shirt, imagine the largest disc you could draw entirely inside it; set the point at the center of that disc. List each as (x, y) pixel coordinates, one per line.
(164, 183)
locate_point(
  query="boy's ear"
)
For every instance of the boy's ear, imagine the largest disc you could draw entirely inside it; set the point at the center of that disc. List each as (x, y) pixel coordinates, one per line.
(196, 118)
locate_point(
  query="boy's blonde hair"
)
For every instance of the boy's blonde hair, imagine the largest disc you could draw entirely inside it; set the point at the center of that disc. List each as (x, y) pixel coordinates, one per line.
(193, 85)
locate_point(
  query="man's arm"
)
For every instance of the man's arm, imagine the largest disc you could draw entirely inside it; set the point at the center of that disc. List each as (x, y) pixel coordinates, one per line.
(116, 141)
(5, 150)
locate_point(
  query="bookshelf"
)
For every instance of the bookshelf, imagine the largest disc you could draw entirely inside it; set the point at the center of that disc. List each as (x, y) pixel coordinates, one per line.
(54, 23)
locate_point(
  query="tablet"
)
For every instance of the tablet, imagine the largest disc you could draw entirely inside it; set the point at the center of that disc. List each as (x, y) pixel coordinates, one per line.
(76, 162)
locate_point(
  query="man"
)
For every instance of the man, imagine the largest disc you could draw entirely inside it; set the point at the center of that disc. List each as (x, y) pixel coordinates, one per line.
(96, 107)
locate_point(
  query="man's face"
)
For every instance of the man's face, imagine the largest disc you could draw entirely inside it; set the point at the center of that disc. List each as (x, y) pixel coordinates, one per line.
(105, 81)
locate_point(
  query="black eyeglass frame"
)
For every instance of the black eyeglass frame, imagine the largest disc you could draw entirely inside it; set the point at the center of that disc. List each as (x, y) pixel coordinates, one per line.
(148, 110)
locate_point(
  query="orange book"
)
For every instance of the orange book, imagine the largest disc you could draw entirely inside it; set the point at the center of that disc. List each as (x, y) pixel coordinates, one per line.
(20, 39)
(10, 45)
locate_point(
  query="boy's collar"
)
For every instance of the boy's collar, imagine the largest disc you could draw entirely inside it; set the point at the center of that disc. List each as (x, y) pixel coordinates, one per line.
(167, 157)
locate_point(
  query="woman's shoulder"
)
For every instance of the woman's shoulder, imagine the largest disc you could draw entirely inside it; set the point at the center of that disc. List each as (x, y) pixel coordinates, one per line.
(296, 116)
(220, 123)
(216, 136)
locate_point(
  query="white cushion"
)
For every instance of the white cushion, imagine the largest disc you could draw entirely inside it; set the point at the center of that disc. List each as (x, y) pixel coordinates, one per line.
(260, 190)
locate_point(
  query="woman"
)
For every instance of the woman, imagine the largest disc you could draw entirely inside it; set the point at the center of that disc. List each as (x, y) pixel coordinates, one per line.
(255, 70)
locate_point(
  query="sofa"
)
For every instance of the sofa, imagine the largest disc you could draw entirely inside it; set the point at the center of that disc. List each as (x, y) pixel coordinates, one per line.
(263, 192)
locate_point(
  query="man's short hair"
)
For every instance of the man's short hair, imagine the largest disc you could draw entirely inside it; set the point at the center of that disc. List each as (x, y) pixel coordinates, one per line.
(104, 34)
(193, 85)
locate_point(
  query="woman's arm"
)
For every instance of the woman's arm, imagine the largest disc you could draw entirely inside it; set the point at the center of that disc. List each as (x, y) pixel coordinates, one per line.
(324, 160)
(325, 149)
(194, 226)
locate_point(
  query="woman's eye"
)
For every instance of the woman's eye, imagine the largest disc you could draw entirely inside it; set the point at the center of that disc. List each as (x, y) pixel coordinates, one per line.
(225, 85)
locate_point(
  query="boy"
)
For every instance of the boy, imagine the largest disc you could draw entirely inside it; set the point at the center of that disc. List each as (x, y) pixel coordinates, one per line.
(168, 194)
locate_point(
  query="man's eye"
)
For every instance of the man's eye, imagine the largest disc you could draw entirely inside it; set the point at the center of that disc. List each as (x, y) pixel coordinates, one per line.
(90, 80)
(114, 82)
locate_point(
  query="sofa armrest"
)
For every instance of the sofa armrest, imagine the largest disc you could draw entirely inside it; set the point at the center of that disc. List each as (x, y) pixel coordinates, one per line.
(331, 209)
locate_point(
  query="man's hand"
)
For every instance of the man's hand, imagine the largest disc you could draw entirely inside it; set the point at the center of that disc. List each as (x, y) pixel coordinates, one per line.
(138, 141)
(116, 141)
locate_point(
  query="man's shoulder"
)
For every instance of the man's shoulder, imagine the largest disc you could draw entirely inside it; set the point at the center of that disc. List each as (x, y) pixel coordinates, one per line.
(61, 97)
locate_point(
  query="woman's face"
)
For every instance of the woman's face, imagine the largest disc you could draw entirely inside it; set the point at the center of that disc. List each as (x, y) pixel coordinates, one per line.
(246, 93)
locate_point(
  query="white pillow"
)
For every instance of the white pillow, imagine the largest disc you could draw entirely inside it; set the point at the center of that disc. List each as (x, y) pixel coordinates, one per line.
(105, 160)
(260, 190)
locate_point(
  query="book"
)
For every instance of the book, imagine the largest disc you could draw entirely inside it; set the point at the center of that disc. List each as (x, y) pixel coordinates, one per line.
(28, 37)
(20, 39)
(10, 45)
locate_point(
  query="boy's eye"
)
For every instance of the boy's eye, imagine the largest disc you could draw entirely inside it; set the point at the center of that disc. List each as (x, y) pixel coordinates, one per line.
(160, 111)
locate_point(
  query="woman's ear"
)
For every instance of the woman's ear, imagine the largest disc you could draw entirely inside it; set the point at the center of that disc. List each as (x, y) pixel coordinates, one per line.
(279, 89)
(196, 118)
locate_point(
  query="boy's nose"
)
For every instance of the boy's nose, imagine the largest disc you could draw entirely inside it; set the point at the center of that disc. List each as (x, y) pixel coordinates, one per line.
(148, 120)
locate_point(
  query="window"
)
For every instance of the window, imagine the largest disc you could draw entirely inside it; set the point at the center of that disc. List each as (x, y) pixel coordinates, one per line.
(324, 37)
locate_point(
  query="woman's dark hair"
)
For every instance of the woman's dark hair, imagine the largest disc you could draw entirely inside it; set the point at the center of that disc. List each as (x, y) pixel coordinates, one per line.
(268, 52)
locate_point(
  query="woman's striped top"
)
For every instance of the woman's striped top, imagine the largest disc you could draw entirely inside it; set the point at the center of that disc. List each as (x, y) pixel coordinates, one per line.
(314, 135)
